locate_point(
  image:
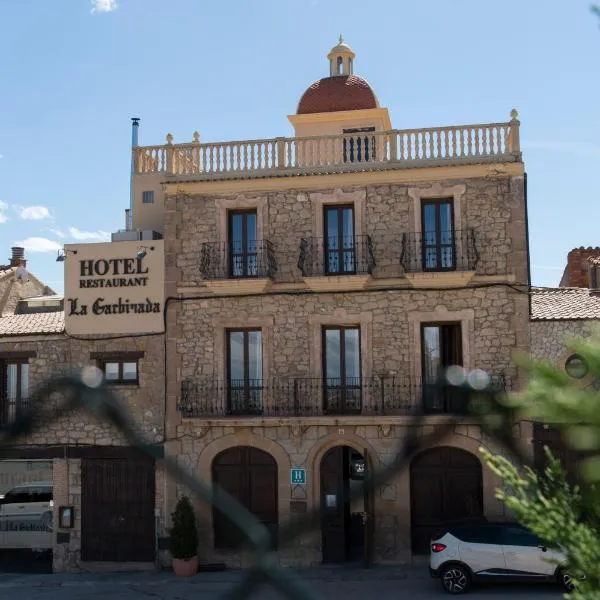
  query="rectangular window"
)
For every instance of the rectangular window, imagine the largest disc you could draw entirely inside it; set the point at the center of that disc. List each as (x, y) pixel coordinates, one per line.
(120, 372)
(245, 371)
(243, 255)
(441, 347)
(438, 236)
(15, 375)
(148, 197)
(339, 241)
(357, 147)
(341, 370)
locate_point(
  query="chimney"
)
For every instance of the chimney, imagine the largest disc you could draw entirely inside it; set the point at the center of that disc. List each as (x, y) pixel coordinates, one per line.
(577, 273)
(18, 257)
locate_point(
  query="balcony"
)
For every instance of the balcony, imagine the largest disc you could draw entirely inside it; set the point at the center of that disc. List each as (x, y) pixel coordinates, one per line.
(284, 157)
(453, 252)
(249, 268)
(331, 262)
(11, 409)
(313, 397)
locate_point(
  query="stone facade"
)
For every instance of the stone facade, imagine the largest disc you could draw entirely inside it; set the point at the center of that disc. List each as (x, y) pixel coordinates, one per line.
(389, 310)
(53, 355)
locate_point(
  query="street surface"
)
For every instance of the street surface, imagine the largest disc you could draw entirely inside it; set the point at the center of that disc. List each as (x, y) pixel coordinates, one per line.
(380, 583)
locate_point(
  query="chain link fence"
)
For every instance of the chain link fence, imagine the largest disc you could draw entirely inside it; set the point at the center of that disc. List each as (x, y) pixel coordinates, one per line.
(86, 390)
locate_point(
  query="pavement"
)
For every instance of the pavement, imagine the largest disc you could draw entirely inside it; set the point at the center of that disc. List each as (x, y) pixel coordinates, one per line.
(381, 583)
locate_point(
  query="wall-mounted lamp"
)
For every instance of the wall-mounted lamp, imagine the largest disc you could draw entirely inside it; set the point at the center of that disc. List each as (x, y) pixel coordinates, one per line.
(142, 251)
(62, 254)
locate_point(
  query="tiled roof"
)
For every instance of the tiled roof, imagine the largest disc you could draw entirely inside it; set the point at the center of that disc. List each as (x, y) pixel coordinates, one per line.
(35, 323)
(564, 303)
(333, 94)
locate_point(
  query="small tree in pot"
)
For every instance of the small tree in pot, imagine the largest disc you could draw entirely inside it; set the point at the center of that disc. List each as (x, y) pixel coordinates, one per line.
(184, 539)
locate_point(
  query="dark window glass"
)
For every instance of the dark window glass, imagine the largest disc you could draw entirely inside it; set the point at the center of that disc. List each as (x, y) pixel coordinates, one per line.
(245, 374)
(576, 366)
(17, 497)
(243, 257)
(120, 372)
(517, 536)
(16, 389)
(339, 241)
(358, 145)
(148, 197)
(441, 347)
(341, 368)
(438, 236)
(477, 534)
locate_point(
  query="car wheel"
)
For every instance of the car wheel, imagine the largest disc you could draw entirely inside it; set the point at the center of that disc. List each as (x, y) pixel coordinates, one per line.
(455, 579)
(565, 580)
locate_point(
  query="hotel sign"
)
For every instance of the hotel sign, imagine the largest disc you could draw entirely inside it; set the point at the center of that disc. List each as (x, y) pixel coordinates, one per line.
(114, 287)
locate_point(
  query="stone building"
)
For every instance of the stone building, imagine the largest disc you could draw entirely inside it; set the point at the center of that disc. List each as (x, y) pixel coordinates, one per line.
(319, 284)
(571, 310)
(90, 471)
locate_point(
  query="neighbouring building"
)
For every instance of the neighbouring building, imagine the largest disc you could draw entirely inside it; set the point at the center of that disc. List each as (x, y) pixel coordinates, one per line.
(319, 283)
(111, 492)
(571, 310)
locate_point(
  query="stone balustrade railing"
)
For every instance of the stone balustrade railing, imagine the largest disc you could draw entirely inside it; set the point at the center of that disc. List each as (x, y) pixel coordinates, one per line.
(394, 149)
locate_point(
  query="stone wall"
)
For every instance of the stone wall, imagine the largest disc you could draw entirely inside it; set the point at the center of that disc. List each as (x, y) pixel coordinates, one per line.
(549, 338)
(493, 208)
(295, 445)
(56, 355)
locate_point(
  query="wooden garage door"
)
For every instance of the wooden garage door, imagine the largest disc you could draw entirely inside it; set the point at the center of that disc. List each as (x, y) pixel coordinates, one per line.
(117, 510)
(250, 476)
(445, 485)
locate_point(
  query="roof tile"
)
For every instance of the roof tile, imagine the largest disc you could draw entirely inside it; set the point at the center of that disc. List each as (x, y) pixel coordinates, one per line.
(564, 303)
(29, 324)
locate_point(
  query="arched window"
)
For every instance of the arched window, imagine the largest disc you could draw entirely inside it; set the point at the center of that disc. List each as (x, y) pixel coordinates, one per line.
(340, 65)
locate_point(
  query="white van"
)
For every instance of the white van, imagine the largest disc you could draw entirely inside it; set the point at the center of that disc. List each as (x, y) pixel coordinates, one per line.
(26, 517)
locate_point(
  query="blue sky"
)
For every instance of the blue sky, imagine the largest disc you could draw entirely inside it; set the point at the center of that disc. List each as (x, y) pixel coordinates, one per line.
(73, 74)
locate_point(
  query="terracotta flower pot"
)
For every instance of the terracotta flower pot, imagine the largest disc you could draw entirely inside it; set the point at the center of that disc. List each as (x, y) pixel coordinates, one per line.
(185, 567)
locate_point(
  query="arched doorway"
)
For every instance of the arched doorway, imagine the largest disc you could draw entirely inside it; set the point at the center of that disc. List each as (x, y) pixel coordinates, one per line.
(445, 484)
(250, 476)
(346, 526)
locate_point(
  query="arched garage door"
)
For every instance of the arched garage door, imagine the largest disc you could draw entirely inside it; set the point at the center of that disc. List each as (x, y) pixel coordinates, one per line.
(445, 485)
(250, 476)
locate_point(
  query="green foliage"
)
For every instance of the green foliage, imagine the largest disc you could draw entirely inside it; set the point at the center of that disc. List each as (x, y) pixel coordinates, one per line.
(566, 517)
(184, 534)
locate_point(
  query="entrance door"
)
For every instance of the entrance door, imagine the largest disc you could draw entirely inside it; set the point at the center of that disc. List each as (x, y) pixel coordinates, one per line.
(117, 510)
(250, 476)
(445, 485)
(342, 521)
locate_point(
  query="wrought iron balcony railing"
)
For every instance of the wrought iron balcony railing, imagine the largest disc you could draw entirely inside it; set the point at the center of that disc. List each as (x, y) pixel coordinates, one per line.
(312, 397)
(347, 255)
(454, 250)
(12, 408)
(232, 260)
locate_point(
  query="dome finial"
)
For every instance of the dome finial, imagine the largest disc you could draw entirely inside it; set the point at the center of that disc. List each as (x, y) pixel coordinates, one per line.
(340, 58)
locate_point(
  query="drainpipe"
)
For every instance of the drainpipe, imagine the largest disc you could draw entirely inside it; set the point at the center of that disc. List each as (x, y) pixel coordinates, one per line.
(135, 126)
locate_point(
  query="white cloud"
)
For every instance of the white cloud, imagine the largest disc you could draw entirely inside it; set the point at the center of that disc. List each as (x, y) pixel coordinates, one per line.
(104, 6)
(1, 155)
(98, 236)
(39, 244)
(57, 232)
(33, 213)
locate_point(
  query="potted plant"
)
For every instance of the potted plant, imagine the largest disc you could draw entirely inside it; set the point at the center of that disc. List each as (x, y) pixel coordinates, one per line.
(184, 539)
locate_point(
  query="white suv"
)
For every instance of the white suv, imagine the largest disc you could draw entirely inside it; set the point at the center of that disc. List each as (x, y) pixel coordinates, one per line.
(465, 553)
(26, 517)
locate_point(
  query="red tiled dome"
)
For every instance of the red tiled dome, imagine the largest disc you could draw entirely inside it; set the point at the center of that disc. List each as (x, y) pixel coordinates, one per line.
(333, 94)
